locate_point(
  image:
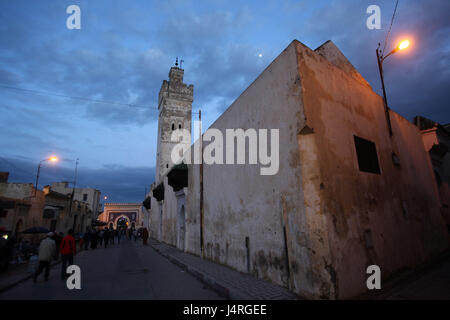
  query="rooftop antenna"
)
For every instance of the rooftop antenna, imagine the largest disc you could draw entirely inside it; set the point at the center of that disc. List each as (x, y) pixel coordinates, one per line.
(181, 64)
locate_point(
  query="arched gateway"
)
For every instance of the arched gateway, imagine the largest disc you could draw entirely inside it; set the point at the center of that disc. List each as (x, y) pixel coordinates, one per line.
(122, 214)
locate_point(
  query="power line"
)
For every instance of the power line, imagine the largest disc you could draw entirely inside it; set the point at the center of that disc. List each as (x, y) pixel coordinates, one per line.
(76, 98)
(390, 27)
(80, 98)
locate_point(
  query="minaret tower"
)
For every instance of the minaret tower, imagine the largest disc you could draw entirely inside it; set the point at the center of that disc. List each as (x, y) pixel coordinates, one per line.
(175, 112)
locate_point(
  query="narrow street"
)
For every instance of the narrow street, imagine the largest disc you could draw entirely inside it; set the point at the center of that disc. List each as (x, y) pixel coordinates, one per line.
(126, 271)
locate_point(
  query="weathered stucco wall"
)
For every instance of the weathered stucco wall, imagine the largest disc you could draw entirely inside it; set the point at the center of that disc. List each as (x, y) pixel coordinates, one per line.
(317, 224)
(244, 211)
(390, 219)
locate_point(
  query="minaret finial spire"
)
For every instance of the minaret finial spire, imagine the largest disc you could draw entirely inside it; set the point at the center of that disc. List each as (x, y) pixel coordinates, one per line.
(176, 63)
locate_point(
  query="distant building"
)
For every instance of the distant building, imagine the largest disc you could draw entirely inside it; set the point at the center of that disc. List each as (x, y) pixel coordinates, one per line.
(23, 207)
(436, 139)
(347, 194)
(90, 196)
(131, 213)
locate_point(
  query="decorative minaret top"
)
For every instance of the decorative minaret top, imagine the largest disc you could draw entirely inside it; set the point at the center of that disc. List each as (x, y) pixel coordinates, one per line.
(175, 88)
(175, 112)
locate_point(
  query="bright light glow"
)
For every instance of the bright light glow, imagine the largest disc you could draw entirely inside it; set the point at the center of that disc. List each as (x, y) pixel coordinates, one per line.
(105, 197)
(53, 159)
(404, 44)
(260, 55)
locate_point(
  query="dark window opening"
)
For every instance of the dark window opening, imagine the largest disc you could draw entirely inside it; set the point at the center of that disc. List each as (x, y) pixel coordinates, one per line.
(85, 197)
(173, 126)
(438, 178)
(367, 155)
(179, 126)
(395, 160)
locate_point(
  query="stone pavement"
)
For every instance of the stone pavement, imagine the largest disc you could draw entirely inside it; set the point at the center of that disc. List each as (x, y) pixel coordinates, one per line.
(430, 281)
(228, 282)
(15, 275)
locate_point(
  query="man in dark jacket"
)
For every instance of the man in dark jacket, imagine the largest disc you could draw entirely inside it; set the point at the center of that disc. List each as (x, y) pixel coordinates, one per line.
(87, 238)
(57, 238)
(106, 237)
(67, 249)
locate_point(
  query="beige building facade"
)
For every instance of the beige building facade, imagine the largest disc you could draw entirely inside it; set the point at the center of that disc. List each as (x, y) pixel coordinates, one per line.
(347, 194)
(23, 207)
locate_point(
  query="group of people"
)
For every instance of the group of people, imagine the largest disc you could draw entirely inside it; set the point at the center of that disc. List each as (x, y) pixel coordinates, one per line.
(53, 246)
(56, 246)
(107, 236)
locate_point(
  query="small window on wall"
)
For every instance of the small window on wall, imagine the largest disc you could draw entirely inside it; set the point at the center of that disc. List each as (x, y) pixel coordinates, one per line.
(367, 155)
(179, 126)
(85, 197)
(173, 126)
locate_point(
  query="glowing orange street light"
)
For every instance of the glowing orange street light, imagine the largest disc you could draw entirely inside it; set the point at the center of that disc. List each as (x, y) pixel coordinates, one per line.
(380, 58)
(403, 45)
(52, 159)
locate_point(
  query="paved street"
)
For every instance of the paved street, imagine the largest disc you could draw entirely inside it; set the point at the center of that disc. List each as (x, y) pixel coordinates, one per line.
(125, 271)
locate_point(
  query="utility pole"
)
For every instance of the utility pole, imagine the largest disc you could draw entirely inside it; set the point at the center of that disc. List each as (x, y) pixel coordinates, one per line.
(201, 182)
(386, 108)
(73, 194)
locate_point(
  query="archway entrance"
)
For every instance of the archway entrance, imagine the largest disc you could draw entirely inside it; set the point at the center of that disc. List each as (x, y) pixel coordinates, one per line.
(122, 223)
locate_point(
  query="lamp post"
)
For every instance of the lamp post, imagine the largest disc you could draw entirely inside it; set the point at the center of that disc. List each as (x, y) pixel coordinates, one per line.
(52, 159)
(380, 58)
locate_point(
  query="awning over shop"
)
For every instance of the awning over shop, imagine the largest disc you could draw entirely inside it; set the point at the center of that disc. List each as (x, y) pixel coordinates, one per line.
(158, 192)
(178, 177)
(51, 212)
(6, 204)
(9, 203)
(147, 203)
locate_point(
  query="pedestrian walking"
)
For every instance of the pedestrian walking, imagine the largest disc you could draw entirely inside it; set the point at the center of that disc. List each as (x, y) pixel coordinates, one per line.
(87, 238)
(68, 250)
(94, 239)
(111, 235)
(145, 236)
(100, 237)
(81, 239)
(119, 232)
(58, 238)
(135, 235)
(47, 251)
(106, 237)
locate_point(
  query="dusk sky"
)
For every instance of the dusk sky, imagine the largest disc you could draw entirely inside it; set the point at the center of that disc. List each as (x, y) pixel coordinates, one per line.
(124, 51)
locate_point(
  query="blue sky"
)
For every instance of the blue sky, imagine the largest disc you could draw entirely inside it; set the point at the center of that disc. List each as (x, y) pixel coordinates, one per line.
(125, 49)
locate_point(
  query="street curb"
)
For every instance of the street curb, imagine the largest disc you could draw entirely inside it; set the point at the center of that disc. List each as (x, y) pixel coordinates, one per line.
(210, 282)
(222, 289)
(15, 283)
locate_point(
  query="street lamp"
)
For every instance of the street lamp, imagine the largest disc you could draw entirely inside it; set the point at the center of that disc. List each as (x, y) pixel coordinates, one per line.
(380, 58)
(51, 159)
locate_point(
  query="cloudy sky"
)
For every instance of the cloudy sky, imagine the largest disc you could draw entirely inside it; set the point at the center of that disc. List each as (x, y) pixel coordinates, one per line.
(125, 49)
